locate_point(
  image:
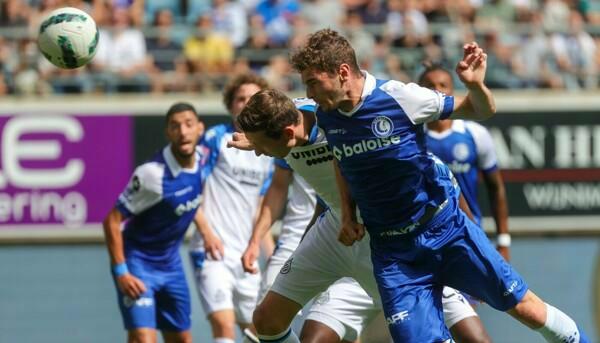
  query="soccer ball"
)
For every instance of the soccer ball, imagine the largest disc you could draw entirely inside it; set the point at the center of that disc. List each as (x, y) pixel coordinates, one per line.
(68, 38)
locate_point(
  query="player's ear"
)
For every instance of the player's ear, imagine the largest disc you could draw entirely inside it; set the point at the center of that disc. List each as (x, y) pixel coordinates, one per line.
(201, 128)
(344, 72)
(288, 132)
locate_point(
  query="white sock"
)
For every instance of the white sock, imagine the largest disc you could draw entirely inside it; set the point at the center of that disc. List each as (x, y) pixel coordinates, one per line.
(223, 340)
(559, 327)
(249, 337)
(288, 336)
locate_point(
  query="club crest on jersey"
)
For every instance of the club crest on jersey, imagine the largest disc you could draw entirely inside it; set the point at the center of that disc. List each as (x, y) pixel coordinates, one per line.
(382, 126)
(460, 151)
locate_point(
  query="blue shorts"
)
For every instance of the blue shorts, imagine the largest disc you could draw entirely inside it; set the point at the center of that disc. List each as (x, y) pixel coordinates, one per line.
(450, 250)
(166, 303)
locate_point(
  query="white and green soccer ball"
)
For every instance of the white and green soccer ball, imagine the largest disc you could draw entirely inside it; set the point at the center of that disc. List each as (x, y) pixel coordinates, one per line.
(68, 37)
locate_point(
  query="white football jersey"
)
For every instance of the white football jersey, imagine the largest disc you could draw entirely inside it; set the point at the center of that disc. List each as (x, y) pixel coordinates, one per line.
(235, 181)
(298, 213)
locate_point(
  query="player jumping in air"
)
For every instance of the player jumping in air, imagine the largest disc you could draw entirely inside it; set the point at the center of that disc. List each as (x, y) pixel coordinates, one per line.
(419, 239)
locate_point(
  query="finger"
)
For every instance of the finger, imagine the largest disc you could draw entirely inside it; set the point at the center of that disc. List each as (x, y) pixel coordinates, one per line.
(480, 61)
(141, 286)
(467, 50)
(221, 250)
(360, 233)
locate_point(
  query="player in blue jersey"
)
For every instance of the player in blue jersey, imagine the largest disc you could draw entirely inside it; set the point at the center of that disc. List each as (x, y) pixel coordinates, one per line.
(419, 239)
(158, 205)
(274, 125)
(234, 183)
(467, 148)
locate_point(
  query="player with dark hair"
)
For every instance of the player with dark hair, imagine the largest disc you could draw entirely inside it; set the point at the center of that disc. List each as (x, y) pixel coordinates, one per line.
(159, 205)
(234, 183)
(419, 238)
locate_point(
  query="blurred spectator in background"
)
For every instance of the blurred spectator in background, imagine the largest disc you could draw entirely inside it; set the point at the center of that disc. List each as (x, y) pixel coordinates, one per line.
(406, 26)
(362, 41)
(229, 19)
(322, 13)
(14, 13)
(121, 61)
(277, 17)
(169, 70)
(495, 14)
(500, 70)
(279, 75)
(209, 55)
(574, 52)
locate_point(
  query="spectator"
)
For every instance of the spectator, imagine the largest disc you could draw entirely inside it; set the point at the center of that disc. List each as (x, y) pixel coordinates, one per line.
(277, 17)
(229, 19)
(406, 26)
(209, 54)
(121, 60)
(168, 72)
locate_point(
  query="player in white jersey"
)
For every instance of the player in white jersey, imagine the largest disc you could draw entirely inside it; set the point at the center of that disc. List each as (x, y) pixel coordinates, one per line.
(234, 183)
(342, 311)
(320, 259)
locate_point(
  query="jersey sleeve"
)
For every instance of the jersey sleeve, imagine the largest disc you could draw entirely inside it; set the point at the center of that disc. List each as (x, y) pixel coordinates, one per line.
(210, 148)
(420, 104)
(143, 191)
(484, 144)
(280, 162)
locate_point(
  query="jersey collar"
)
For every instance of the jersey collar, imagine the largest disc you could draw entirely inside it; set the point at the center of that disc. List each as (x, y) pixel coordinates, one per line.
(368, 88)
(314, 133)
(174, 166)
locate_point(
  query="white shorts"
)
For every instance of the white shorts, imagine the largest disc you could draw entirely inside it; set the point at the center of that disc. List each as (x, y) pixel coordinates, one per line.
(345, 308)
(320, 260)
(223, 285)
(456, 307)
(274, 265)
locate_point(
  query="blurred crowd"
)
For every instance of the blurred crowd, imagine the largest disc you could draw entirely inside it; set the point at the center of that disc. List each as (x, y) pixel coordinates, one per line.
(195, 45)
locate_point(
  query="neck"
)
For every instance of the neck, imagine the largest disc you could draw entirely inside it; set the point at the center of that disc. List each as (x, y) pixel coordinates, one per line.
(353, 95)
(184, 161)
(307, 121)
(440, 125)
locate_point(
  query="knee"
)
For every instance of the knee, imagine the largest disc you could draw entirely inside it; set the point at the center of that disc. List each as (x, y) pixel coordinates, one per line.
(222, 327)
(266, 323)
(531, 311)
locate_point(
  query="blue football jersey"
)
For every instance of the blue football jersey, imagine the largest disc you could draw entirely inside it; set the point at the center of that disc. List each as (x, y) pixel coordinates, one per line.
(160, 202)
(466, 148)
(381, 149)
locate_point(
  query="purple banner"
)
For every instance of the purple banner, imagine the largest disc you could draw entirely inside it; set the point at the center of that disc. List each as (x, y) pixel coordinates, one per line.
(62, 169)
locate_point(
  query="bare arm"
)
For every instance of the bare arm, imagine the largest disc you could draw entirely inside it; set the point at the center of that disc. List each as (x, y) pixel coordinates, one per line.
(113, 237)
(499, 207)
(479, 103)
(127, 283)
(271, 209)
(267, 244)
(212, 243)
(351, 231)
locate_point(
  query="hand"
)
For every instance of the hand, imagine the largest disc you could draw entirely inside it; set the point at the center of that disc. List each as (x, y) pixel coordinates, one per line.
(213, 247)
(471, 69)
(239, 141)
(505, 252)
(351, 232)
(131, 286)
(249, 258)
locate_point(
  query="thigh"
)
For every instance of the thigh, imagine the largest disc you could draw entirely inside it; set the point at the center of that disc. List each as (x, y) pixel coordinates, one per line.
(318, 262)
(245, 295)
(456, 307)
(173, 308)
(345, 308)
(472, 265)
(214, 283)
(272, 269)
(411, 299)
(141, 312)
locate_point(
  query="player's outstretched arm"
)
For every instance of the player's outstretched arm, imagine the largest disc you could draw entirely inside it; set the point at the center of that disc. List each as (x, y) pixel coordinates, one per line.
(351, 231)
(212, 243)
(479, 103)
(271, 209)
(127, 283)
(239, 141)
(499, 206)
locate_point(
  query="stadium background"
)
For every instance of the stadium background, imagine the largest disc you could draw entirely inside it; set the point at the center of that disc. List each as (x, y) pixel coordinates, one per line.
(69, 139)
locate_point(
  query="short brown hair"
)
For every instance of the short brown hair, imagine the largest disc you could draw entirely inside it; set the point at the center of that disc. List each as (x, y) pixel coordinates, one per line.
(270, 111)
(238, 81)
(325, 51)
